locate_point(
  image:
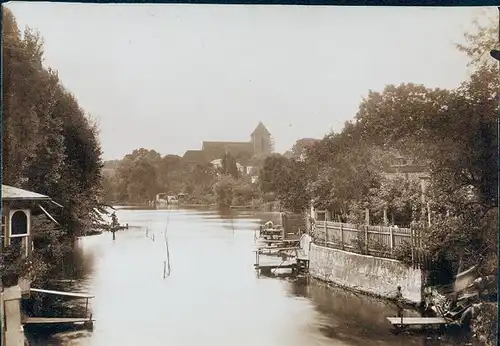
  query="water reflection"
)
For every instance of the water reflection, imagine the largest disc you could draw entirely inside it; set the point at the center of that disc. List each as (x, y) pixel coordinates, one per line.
(213, 296)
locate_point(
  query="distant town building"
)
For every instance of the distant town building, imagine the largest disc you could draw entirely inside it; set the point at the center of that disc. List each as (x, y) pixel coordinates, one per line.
(216, 163)
(261, 140)
(401, 165)
(195, 157)
(260, 144)
(216, 150)
(301, 146)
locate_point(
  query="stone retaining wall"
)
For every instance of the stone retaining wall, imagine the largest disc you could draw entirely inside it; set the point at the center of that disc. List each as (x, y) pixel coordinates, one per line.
(374, 275)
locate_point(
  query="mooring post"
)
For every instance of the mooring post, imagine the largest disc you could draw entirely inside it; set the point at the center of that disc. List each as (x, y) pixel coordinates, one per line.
(86, 306)
(14, 333)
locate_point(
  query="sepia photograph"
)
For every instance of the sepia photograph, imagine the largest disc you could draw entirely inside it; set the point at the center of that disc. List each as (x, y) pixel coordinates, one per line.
(249, 175)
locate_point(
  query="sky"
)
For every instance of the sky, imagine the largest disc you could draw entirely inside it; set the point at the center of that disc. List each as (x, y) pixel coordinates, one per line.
(167, 76)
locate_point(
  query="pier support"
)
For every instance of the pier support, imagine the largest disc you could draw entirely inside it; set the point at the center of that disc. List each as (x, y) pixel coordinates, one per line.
(14, 332)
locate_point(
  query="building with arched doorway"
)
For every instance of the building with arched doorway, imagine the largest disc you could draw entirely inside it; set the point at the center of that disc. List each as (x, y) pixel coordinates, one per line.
(18, 209)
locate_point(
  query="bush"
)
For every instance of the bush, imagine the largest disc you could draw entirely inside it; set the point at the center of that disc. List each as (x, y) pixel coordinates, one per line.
(224, 190)
(484, 326)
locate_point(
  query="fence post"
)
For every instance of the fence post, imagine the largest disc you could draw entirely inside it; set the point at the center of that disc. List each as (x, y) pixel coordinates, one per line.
(326, 234)
(391, 240)
(341, 236)
(366, 238)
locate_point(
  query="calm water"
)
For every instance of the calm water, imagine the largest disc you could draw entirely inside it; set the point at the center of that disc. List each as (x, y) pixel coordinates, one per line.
(213, 296)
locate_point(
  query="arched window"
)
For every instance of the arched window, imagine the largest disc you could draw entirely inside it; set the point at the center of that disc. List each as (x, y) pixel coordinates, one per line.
(19, 224)
(19, 230)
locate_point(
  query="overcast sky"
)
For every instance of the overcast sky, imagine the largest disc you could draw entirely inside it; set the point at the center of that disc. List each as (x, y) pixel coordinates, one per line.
(167, 77)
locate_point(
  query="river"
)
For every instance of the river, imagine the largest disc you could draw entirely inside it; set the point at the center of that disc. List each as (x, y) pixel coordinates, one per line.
(213, 295)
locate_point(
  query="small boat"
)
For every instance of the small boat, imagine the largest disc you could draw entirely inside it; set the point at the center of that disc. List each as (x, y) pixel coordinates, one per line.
(172, 200)
(161, 200)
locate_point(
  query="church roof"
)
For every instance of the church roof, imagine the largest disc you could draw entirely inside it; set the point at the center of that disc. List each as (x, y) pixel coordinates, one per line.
(261, 129)
(195, 156)
(216, 150)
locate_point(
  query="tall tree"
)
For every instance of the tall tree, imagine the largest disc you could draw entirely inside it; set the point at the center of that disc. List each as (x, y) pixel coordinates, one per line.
(49, 144)
(229, 166)
(482, 39)
(138, 177)
(287, 178)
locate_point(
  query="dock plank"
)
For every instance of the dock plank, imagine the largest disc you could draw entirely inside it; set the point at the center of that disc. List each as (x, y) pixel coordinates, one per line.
(55, 320)
(274, 249)
(275, 265)
(278, 240)
(68, 294)
(271, 266)
(417, 320)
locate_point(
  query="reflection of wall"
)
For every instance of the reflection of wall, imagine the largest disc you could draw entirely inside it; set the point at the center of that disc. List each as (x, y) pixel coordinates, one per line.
(366, 273)
(349, 318)
(351, 308)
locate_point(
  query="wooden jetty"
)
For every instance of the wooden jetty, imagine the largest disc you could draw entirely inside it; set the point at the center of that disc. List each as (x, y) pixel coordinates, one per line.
(117, 228)
(282, 242)
(268, 267)
(298, 264)
(403, 322)
(57, 320)
(274, 250)
(86, 320)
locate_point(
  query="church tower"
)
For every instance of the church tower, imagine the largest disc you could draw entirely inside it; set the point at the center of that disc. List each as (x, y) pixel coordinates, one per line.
(261, 140)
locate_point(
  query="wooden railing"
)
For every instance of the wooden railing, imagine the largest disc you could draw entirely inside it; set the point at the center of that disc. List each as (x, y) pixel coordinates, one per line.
(371, 240)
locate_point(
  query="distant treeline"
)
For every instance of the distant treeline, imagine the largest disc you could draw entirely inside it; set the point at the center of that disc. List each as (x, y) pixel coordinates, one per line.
(139, 176)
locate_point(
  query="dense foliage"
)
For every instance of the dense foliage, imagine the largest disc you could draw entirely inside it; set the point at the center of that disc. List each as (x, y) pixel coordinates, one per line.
(139, 176)
(452, 134)
(49, 144)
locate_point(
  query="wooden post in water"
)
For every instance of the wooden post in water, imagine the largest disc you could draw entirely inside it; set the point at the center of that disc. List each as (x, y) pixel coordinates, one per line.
(14, 334)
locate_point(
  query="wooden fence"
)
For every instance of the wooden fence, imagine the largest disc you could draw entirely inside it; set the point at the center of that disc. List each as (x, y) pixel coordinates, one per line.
(378, 241)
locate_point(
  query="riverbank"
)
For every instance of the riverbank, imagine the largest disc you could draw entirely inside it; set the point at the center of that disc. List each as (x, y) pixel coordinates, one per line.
(484, 326)
(290, 314)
